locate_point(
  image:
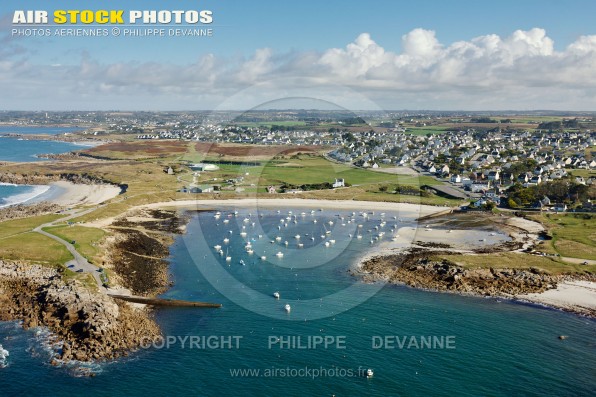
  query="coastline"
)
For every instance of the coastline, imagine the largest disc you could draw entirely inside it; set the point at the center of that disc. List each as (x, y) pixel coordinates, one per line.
(34, 196)
(68, 194)
(418, 267)
(304, 203)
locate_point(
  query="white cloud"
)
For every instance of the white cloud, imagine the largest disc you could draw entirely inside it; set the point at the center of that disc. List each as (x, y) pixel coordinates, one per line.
(521, 71)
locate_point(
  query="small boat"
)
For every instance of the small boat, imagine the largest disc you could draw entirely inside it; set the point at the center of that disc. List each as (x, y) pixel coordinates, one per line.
(327, 244)
(278, 238)
(263, 258)
(217, 215)
(332, 241)
(221, 252)
(226, 221)
(249, 252)
(359, 236)
(279, 254)
(276, 295)
(243, 234)
(217, 247)
(286, 243)
(297, 237)
(242, 262)
(226, 240)
(300, 245)
(287, 307)
(369, 373)
(228, 258)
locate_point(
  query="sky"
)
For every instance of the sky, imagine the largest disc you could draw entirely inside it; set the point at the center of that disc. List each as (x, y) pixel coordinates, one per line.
(376, 54)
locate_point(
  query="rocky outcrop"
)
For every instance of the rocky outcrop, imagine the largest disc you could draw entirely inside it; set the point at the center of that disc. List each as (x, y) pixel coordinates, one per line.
(23, 211)
(88, 325)
(416, 269)
(44, 179)
(138, 248)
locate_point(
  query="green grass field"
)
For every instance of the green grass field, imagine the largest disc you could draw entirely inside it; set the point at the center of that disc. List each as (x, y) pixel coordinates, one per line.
(572, 235)
(34, 247)
(317, 170)
(268, 124)
(517, 261)
(582, 172)
(16, 226)
(86, 238)
(426, 130)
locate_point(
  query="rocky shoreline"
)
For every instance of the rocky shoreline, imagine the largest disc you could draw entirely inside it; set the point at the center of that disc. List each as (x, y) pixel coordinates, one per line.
(417, 269)
(420, 268)
(138, 248)
(20, 211)
(88, 325)
(44, 179)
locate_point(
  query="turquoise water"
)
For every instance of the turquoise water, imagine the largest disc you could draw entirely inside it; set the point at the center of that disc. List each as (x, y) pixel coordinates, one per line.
(13, 149)
(501, 348)
(4, 129)
(16, 194)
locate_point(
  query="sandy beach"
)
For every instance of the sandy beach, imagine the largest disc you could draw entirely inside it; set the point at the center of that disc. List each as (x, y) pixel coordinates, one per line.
(79, 194)
(404, 208)
(577, 296)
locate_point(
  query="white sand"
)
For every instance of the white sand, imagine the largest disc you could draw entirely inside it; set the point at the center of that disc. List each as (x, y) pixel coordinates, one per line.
(84, 194)
(572, 295)
(525, 224)
(415, 210)
(404, 209)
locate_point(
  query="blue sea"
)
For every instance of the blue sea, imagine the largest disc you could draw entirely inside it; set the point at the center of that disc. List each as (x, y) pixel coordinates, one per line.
(9, 129)
(19, 150)
(497, 347)
(18, 194)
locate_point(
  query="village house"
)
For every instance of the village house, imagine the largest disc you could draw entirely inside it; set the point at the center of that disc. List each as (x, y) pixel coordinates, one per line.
(339, 183)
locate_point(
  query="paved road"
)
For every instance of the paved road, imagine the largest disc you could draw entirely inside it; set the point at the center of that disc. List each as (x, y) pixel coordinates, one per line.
(79, 262)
